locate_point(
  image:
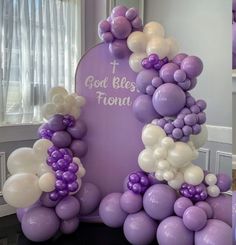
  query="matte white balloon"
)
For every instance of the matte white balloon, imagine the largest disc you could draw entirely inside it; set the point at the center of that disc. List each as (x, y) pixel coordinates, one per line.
(146, 161)
(211, 179)
(70, 100)
(193, 175)
(80, 99)
(177, 181)
(22, 160)
(43, 168)
(58, 99)
(40, 148)
(152, 135)
(163, 164)
(57, 90)
(48, 110)
(174, 48)
(168, 175)
(160, 153)
(159, 175)
(167, 142)
(21, 190)
(213, 191)
(200, 139)
(47, 182)
(135, 60)
(60, 109)
(154, 29)
(159, 46)
(75, 112)
(137, 42)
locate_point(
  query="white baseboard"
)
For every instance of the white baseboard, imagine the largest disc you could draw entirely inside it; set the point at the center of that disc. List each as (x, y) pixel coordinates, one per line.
(219, 134)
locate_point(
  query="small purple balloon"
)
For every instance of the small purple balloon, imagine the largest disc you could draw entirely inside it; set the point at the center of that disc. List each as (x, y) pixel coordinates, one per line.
(89, 197)
(121, 27)
(104, 26)
(167, 72)
(61, 139)
(119, 49)
(181, 204)
(107, 37)
(131, 14)
(172, 231)
(206, 207)
(139, 228)
(224, 182)
(143, 109)
(179, 76)
(130, 202)
(137, 23)
(79, 148)
(40, 224)
(55, 123)
(179, 58)
(110, 211)
(68, 208)
(119, 10)
(46, 200)
(69, 226)
(20, 212)
(192, 65)
(78, 130)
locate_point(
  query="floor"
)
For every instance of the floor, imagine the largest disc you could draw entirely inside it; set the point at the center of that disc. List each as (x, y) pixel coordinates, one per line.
(87, 234)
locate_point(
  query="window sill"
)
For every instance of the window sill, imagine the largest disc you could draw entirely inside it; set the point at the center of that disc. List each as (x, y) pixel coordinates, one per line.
(18, 132)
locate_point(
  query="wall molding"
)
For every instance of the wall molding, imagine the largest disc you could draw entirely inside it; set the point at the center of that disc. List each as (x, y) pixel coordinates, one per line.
(220, 154)
(219, 134)
(206, 153)
(6, 209)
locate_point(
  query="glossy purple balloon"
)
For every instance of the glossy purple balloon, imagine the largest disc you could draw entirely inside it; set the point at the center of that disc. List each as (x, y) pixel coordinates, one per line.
(192, 65)
(172, 231)
(215, 232)
(222, 208)
(121, 27)
(20, 212)
(40, 224)
(179, 58)
(79, 148)
(158, 201)
(224, 182)
(168, 99)
(181, 204)
(69, 226)
(143, 109)
(130, 202)
(55, 123)
(68, 208)
(139, 228)
(144, 78)
(119, 49)
(206, 207)
(167, 72)
(119, 10)
(61, 139)
(79, 129)
(110, 211)
(46, 201)
(89, 197)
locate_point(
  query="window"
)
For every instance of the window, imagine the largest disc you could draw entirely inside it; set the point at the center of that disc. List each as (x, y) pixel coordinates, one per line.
(39, 48)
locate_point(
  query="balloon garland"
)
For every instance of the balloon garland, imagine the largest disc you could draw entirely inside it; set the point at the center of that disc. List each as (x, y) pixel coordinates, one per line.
(171, 199)
(46, 180)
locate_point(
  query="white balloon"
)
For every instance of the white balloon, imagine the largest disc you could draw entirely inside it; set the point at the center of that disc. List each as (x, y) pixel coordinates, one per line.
(81, 101)
(168, 175)
(193, 175)
(22, 160)
(174, 48)
(47, 182)
(181, 155)
(48, 110)
(57, 90)
(21, 190)
(213, 191)
(163, 164)
(154, 29)
(210, 179)
(43, 168)
(159, 46)
(40, 148)
(159, 175)
(167, 142)
(146, 161)
(58, 99)
(60, 109)
(135, 60)
(70, 100)
(160, 153)
(177, 181)
(137, 42)
(75, 112)
(152, 135)
(200, 139)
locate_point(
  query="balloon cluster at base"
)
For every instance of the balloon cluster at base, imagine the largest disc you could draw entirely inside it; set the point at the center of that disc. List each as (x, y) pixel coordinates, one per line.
(46, 180)
(234, 34)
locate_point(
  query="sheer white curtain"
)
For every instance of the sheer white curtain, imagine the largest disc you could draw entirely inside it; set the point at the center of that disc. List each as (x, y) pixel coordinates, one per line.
(39, 49)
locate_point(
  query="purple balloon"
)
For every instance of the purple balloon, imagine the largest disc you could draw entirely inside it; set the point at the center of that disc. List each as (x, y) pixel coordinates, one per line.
(130, 202)
(234, 37)
(222, 208)
(104, 26)
(179, 58)
(79, 148)
(215, 232)
(68, 208)
(126, 180)
(192, 65)
(61, 139)
(234, 5)
(20, 212)
(110, 211)
(119, 49)
(179, 76)
(139, 228)
(137, 23)
(194, 218)
(107, 37)
(55, 123)
(234, 215)
(181, 204)
(224, 182)
(206, 207)
(69, 226)
(119, 10)
(168, 99)
(46, 200)
(172, 231)
(144, 78)
(78, 130)
(158, 201)
(143, 109)
(167, 72)
(121, 27)
(89, 197)
(40, 224)
(131, 14)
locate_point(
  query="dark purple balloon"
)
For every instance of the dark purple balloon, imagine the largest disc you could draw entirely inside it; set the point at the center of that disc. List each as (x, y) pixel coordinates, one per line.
(78, 130)
(119, 49)
(55, 123)
(143, 109)
(46, 200)
(61, 139)
(79, 148)
(69, 226)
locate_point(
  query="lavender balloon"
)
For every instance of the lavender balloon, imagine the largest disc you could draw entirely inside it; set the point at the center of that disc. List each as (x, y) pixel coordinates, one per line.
(206, 207)
(78, 130)
(79, 148)
(181, 204)
(167, 72)
(119, 49)
(224, 182)
(121, 27)
(61, 139)
(192, 65)
(46, 200)
(130, 202)
(56, 123)
(20, 212)
(69, 226)
(119, 10)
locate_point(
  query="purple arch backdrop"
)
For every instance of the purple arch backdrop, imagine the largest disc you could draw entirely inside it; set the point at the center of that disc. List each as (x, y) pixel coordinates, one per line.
(114, 134)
